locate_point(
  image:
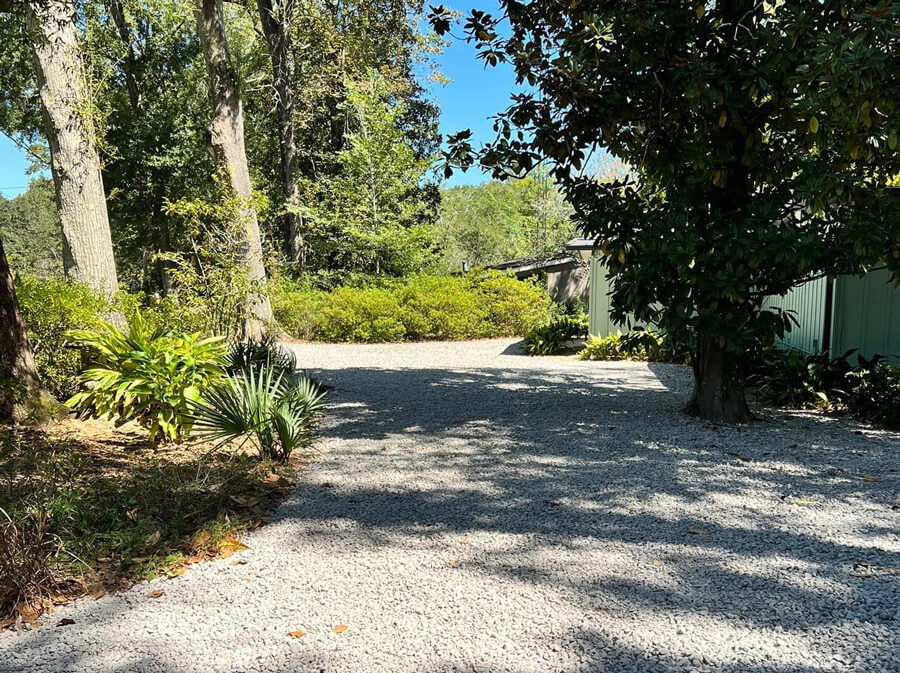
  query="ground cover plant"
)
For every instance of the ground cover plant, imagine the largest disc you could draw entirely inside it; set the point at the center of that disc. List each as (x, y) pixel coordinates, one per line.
(866, 388)
(635, 345)
(88, 508)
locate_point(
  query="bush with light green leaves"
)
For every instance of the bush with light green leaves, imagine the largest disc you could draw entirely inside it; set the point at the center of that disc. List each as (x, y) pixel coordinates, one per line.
(148, 376)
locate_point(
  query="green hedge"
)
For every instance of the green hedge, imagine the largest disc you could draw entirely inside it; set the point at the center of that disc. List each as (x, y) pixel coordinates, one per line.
(422, 307)
(50, 308)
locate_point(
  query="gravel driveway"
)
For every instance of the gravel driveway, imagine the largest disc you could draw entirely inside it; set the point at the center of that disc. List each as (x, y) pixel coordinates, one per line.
(477, 510)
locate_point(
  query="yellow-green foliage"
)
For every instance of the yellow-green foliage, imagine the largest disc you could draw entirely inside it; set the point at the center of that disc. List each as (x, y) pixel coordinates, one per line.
(636, 345)
(148, 376)
(51, 307)
(421, 307)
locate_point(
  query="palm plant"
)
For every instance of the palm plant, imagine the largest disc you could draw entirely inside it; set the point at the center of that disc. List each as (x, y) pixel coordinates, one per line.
(244, 355)
(271, 406)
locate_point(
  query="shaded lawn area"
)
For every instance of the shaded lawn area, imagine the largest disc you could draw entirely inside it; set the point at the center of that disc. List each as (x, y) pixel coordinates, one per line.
(91, 508)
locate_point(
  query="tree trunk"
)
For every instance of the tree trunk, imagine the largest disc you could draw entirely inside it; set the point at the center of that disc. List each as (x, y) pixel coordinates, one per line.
(275, 18)
(20, 388)
(75, 162)
(718, 384)
(129, 66)
(226, 144)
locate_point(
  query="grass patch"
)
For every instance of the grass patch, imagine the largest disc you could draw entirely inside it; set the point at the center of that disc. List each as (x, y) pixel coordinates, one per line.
(89, 509)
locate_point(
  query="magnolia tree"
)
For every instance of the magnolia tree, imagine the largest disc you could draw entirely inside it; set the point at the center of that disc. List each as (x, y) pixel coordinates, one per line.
(761, 135)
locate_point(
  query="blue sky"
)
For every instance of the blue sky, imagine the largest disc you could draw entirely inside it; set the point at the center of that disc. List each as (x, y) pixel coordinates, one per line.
(13, 165)
(474, 94)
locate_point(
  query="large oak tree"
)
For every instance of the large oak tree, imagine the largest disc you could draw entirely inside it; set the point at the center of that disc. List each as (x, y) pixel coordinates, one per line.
(761, 136)
(52, 29)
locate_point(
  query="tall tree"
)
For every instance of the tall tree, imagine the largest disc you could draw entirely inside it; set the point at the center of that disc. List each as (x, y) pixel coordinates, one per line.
(226, 145)
(20, 386)
(72, 136)
(762, 136)
(275, 17)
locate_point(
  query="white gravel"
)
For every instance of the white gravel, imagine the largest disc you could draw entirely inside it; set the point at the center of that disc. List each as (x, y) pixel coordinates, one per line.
(477, 510)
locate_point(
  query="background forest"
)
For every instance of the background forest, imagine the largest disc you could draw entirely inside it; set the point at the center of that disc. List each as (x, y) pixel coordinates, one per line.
(359, 198)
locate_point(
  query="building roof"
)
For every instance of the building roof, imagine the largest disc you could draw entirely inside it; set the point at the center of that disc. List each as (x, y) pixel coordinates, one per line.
(527, 267)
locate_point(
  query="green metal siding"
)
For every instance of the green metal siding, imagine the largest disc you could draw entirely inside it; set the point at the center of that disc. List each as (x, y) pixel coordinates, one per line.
(867, 315)
(807, 304)
(599, 322)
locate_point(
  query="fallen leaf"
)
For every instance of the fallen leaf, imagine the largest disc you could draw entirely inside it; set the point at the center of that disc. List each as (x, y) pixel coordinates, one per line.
(156, 593)
(239, 562)
(698, 531)
(340, 628)
(463, 541)
(235, 544)
(453, 562)
(243, 500)
(247, 579)
(655, 563)
(869, 477)
(297, 634)
(176, 573)
(65, 621)
(140, 559)
(201, 538)
(807, 502)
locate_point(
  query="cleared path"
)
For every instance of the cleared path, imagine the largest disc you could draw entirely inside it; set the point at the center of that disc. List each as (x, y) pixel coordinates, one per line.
(477, 510)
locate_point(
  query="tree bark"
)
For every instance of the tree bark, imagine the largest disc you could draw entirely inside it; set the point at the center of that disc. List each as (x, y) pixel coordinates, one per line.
(129, 66)
(275, 18)
(20, 387)
(75, 162)
(226, 144)
(719, 393)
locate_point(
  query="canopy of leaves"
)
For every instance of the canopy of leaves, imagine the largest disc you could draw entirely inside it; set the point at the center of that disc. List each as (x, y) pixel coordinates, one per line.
(499, 221)
(30, 231)
(761, 135)
(149, 93)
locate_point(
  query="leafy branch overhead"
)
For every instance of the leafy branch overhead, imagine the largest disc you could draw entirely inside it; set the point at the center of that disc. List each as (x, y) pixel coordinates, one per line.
(762, 139)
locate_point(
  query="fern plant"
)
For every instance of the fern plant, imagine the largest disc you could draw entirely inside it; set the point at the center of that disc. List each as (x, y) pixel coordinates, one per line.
(149, 376)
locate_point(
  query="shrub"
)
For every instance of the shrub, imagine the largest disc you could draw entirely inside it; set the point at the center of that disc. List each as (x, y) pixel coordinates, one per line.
(477, 305)
(551, 338)
(870, 390)
(514, 306)
(793, 378)
(147, 376)
(370, 314)
(275, 408)
(51, 307)
(635, 345)
(435, 307)
(874, 394)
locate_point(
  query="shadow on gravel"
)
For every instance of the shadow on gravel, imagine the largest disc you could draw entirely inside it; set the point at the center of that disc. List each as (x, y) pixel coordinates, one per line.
(575, 462)
(605, 494)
